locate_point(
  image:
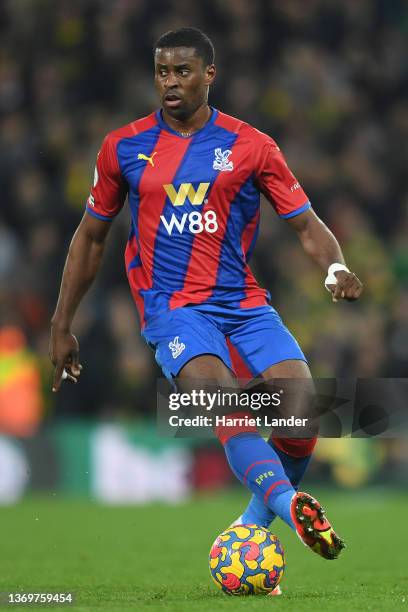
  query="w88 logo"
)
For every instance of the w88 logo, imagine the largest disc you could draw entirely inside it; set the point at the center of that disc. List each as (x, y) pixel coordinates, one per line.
(194, 222)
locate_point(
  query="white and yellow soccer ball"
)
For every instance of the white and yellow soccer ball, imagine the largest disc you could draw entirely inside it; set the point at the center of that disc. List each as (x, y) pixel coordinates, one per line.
(247, 560)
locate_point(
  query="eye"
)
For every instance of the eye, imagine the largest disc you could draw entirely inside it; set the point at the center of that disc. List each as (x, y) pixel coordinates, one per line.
(162, 72)
(184, 72)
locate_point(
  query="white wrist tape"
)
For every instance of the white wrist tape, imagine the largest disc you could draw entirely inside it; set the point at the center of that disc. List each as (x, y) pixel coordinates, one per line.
(331, 278)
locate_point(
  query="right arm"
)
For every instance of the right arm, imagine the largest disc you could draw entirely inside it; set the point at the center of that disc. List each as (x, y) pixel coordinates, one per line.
(84, 257)
(82, 264)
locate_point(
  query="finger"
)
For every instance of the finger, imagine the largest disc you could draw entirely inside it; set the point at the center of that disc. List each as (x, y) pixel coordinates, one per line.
(337, 292)
(332, 288)
(351, 285)
(74, 369)
(350, 293)
(71, 378)
(360, 290)
(354, 293)
(79, 366)
(74, 365)
(66, 375)
(344, 285)
(59, 368)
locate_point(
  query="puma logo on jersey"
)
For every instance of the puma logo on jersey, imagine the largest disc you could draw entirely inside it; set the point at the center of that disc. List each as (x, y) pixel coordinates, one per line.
(176, 347)
(186, 190)
(147, 158)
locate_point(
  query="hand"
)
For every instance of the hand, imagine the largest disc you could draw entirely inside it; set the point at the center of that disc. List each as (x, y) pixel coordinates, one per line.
(348, 286)
(64, 354)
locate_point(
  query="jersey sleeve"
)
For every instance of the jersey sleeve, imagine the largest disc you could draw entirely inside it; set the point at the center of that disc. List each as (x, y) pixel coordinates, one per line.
(279, 185)
(109, 188)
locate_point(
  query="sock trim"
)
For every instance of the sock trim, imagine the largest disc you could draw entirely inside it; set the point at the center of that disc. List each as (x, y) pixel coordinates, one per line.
(257, 463)
(225, 432)
(273, 486)
(298, 448)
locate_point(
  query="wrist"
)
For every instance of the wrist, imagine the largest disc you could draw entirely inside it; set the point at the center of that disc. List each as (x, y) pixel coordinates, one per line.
(337, 267)
(60, 325)
(331, 274)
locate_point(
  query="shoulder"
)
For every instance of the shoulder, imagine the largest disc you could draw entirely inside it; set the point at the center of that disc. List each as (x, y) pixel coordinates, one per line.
(243, 130)
(131, 129)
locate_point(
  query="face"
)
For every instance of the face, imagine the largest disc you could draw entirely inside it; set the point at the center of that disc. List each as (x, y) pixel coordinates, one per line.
(181, 80)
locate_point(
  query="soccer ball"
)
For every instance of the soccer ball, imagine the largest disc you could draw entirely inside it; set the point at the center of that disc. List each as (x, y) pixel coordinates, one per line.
(247, 560)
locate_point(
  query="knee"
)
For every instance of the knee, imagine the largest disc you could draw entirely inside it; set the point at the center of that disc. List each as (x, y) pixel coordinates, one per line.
(295, 447)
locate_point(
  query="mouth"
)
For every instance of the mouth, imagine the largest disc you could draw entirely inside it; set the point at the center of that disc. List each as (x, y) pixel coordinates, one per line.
(172, 100)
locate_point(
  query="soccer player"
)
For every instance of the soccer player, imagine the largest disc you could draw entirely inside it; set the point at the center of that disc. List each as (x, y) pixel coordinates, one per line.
(193, 178)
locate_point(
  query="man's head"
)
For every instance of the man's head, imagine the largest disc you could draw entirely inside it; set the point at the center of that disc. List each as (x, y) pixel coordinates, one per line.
(184, 70)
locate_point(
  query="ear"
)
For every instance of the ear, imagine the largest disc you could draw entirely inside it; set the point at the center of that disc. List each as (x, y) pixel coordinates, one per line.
(210, 73)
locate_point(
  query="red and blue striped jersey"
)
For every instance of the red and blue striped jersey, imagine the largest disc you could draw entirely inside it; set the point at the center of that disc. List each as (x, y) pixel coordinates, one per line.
(194, 205)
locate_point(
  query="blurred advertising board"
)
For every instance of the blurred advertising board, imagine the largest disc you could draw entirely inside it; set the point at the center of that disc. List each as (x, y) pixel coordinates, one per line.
(111, 463)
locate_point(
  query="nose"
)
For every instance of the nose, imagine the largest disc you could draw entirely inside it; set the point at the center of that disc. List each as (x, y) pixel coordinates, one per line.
(171, 81)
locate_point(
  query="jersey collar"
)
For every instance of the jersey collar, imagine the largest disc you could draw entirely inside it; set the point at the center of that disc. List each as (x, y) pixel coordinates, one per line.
(206, 126)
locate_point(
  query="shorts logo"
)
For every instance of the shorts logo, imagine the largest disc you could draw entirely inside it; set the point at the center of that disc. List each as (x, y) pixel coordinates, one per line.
(186, 190)
(176, 347)
(221, 160)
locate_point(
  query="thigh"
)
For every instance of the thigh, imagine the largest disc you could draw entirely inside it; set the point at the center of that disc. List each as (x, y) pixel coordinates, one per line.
(293, 380)
(208, 370)
(182, 335)
(290, 368)
(262, 340)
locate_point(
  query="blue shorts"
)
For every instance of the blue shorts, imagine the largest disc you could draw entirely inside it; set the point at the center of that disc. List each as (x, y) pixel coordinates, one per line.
(257, 334)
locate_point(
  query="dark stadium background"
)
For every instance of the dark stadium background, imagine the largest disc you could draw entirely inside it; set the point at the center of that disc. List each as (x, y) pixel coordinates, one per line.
(328, 81)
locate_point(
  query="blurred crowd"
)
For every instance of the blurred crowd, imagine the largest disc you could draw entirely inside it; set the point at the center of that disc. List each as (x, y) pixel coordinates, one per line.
(326, 78)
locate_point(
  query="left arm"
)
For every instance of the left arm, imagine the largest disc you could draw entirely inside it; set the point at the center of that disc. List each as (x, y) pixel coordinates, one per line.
(321, 245)
(280, 186)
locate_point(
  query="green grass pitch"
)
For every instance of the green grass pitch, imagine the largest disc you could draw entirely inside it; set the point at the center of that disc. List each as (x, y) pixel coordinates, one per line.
(155, 557)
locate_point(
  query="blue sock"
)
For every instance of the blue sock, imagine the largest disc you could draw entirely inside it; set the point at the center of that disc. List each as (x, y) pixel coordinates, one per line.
(257, 511)
(258, 466)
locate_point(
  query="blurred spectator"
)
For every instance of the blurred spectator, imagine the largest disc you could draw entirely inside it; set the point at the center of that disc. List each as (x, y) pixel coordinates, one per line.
(21, 403)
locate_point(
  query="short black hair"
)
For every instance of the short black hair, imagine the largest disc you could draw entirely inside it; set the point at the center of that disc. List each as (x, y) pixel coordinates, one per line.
(188, 37)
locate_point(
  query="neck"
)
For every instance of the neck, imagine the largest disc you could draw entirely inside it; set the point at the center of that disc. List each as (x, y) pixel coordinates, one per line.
(192, 124)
